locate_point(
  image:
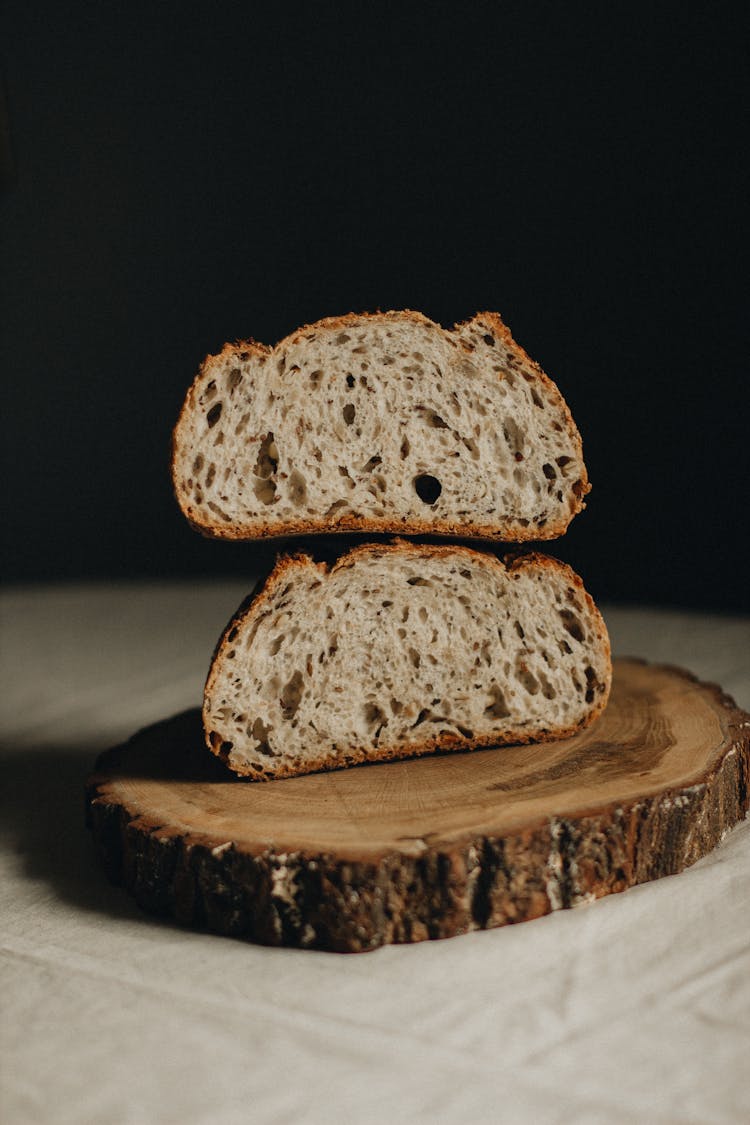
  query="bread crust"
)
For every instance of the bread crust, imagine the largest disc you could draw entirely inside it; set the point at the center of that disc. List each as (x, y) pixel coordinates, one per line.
(368, 525)
(441, 743)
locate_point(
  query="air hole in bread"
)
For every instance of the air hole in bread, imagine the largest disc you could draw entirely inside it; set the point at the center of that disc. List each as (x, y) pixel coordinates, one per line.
(214, 507)
(276, 644)
(489, 340)
(291, 695)
(219, 746)
(414, 657)
(427, 488)
(316, 376)
(214, 414)
(572, 624)
(592, 684)
(405, 448)
(349, 413)
(373, 714)
(297, 487)
(549, 471)
(336, 506)
(210, 475)
(526, 677)
(260, 732)
(267, 460)
(513, 435)
(350, 380)
(209, 392)
(372, 464)
(415, 580)
(265, 490)
(265, 468)
(548, 690)
(431, 418)
(497, 708)
(233, 378)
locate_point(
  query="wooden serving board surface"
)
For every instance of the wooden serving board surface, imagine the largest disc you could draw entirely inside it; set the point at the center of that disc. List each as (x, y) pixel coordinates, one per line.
(433, 847)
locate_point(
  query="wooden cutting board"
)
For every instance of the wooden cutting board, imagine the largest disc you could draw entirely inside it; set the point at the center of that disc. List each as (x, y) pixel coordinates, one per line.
(434, 847)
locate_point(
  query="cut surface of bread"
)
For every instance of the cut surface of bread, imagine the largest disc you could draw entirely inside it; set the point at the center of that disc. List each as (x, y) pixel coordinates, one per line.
(400, 649)
(380, 422)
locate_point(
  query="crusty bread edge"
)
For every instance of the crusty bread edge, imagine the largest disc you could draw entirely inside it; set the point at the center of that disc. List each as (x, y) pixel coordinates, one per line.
(366, 524)
(440, 743)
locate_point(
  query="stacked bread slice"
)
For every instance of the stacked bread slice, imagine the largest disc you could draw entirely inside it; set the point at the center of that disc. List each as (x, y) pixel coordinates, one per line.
(388, 424)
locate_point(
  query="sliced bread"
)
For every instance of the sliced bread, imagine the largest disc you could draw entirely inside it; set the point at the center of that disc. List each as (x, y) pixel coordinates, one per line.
(379, 423)
(401, 649)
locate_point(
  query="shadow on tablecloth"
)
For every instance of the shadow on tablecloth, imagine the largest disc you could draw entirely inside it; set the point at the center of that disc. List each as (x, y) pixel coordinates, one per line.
(43, 824)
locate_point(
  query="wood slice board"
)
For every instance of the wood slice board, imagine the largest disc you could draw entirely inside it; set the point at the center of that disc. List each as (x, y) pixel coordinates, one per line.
(433, 847)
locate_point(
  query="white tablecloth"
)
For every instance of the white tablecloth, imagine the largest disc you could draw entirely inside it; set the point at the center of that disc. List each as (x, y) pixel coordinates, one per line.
(633, 1009)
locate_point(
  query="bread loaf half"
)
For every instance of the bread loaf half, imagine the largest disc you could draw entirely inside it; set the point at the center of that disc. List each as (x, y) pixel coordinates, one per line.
(379, 423)
(398, 650)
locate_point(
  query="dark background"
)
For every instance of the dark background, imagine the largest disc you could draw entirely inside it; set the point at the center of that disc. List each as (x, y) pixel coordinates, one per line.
(184, 175)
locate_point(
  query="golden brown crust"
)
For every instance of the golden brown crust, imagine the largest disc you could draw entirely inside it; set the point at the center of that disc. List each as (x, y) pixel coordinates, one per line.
(368, 525)
(440, 743)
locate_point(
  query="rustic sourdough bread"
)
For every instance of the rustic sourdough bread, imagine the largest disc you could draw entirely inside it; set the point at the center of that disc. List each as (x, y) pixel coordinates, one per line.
(400, 649)
(379, 423)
